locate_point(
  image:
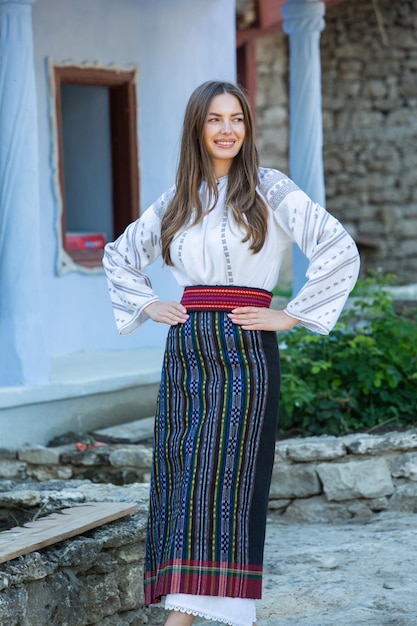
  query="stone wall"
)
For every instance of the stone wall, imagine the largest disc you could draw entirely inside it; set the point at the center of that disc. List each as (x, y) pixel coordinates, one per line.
(272, 117)
(369, 84)
(97, 577)
(330, 479)
(315, 478)
(272, 100)
(118, 464)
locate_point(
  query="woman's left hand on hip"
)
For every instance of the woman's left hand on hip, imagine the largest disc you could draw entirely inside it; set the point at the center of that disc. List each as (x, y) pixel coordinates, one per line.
(259, 318)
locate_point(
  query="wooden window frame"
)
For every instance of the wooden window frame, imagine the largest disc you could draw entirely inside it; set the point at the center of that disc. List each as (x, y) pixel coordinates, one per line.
(124, 148)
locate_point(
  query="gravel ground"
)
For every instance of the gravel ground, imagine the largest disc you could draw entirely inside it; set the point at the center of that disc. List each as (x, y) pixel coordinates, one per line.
(346, 574)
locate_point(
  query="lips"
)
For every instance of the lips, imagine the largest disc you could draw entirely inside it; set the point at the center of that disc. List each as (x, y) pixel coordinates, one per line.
(225, 144)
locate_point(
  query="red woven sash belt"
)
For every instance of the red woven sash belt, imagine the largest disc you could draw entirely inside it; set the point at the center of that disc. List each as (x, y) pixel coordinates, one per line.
(204, 298)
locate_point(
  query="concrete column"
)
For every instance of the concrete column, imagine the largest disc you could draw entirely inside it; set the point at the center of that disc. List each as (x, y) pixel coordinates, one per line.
(303, 21)
(23, 358)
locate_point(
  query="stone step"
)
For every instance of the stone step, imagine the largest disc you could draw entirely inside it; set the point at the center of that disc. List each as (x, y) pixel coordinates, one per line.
(136, 431)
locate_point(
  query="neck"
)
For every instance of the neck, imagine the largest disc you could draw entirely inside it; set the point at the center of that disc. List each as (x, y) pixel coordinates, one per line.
(221, 169)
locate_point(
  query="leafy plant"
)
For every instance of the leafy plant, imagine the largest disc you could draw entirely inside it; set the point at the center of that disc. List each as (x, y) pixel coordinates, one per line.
(360, 377)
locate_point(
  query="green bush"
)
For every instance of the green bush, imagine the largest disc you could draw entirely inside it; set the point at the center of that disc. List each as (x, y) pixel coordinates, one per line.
(361, 377)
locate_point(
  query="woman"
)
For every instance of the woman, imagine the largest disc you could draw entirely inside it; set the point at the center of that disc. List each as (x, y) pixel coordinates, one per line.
(223, 229)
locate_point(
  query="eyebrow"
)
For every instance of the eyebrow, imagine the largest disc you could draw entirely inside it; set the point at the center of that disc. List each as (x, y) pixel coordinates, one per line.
(220, 115)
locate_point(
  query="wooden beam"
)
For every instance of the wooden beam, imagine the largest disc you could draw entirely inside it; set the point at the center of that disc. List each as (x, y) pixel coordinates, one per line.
(269, 13)
(247, 73)
(269, 19)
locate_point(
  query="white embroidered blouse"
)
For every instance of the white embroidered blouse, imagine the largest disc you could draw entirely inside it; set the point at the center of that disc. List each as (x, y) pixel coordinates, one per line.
(212, 253)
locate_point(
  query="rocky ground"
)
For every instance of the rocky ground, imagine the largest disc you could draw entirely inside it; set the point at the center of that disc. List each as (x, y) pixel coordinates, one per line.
(346, 575)
(345, 557)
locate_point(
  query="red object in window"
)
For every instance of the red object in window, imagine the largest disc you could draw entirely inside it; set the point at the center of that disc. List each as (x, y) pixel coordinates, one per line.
(84, 241)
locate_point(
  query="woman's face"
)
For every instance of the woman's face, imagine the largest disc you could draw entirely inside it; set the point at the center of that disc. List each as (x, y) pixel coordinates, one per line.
(224, 132)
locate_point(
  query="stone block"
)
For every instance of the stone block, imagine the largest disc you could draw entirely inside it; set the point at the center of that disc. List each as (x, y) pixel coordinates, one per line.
(365, 444)
(130, 580)
(316, 509)
(294, 481)
(277, 505)
(21, 497)
(312, 449)
(56, 600)
(356, 479)
(359, 510)
(129, 432)
(405, 466)
(367, 118)
(89, 457)
(81, 552)
(130, 554)
(352, 50)
(375, 444)
(104, 564)
(406, 440)
(402, 38)
(8, 453)
(99, 594)
(378, 504)
(12, 469)
(41, 455)
(407, 228)
(63, 499)
(95, 492)
(37, 567)
(130, 618)
(29, 568)
(375, 88)
(6, 485)
(404, 498)
(5, 580)
(123, 533)
(12, 606)
(41, 474)
(275, 115)
(132, 456)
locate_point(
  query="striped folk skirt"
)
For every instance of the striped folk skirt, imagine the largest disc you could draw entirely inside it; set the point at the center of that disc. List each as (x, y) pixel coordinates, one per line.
(215, 432)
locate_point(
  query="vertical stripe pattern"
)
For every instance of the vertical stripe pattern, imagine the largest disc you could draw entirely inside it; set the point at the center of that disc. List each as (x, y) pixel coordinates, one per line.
(213, 456)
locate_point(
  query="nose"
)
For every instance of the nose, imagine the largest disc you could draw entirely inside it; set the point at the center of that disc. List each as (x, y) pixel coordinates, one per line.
(226, 127)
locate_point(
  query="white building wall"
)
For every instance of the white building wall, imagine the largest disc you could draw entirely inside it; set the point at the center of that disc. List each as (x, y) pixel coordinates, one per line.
(176, 44)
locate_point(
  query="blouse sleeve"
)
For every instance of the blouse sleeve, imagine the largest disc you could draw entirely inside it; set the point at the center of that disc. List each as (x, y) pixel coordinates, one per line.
(333, 257)
(125, 261)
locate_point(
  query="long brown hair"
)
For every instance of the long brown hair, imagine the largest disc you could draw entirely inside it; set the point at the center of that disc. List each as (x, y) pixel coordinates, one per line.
(247, 206)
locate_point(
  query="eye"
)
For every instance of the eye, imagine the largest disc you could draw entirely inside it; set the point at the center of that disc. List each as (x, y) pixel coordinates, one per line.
(238, 119)
(213, 119)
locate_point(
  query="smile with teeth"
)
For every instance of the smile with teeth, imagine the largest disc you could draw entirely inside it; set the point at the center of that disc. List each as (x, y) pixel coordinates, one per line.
(225, 144)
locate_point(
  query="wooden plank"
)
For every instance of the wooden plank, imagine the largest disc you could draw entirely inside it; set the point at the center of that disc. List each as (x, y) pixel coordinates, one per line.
(59, 526)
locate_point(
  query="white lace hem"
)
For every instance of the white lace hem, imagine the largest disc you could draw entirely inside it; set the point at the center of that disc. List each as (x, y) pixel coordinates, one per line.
(215, 618)
(231, 611)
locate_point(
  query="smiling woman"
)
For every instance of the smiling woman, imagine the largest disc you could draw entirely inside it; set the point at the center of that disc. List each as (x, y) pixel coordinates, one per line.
(224, 132)
(223, 229)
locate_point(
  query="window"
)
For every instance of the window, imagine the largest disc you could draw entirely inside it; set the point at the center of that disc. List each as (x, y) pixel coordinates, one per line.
(97, 157)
